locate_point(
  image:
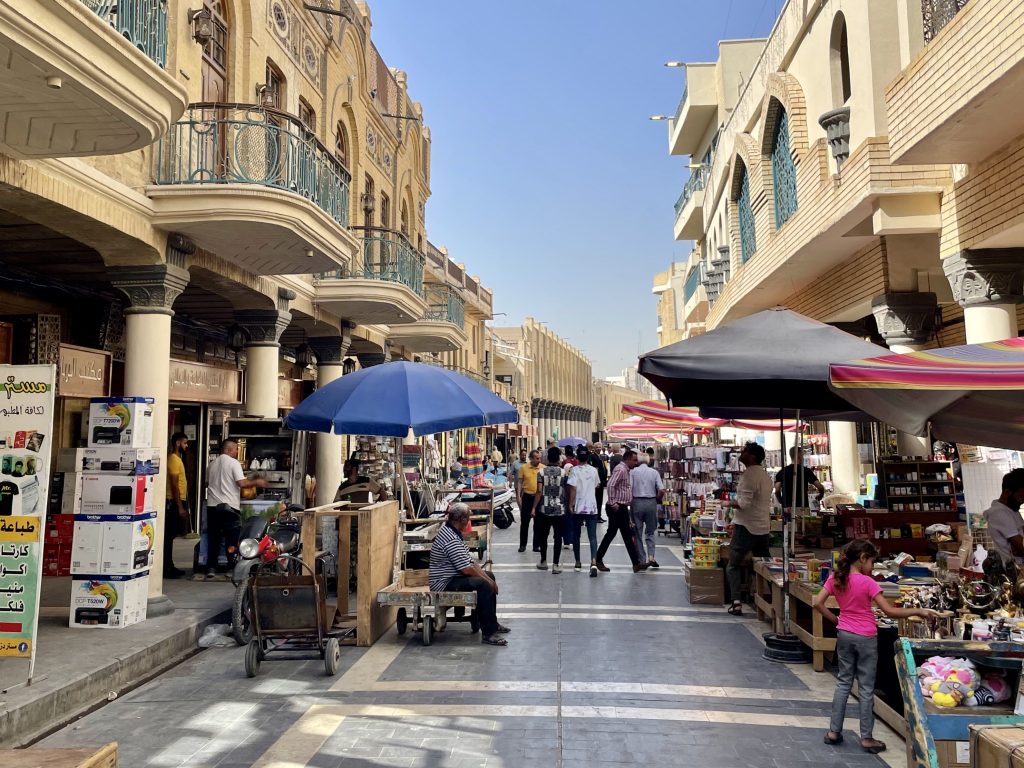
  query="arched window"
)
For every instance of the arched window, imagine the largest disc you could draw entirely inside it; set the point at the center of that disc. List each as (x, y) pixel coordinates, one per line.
(404, 219)
(748, 237)
(214, 73)
(341, 144)
(307, 115)
(839, 62)
(783, 171)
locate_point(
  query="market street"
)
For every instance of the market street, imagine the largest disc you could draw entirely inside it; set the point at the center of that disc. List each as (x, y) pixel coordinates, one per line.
(616, 670)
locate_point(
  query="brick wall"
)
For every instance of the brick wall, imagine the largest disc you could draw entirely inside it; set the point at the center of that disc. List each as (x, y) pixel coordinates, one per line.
(859, 279)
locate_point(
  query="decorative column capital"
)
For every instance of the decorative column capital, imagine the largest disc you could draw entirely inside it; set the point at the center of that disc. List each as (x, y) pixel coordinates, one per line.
(991, 276)
(330, 350)
(388, 344)
(151, 289)
(264, 326)
(905, 318)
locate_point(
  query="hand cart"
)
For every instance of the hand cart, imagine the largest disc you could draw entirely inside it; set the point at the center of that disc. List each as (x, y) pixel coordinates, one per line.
(425, 611)
(290, 618)
(481, 503)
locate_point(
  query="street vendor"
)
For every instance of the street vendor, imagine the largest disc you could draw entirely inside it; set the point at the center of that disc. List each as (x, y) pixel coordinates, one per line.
(452, 570)
(804, 478)
(1004, 520)
(357, 488)
(751, 519)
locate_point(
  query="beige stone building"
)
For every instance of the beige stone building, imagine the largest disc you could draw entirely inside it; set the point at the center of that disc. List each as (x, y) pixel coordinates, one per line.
(548, 379)
(609, 397)
(217, 203)
(859, 166)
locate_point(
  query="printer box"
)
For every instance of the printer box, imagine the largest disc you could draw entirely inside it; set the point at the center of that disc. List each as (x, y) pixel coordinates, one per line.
(111, 460)
(123, 421)
(108, 602)
(71, 495)
(117, 494)
(113, 545)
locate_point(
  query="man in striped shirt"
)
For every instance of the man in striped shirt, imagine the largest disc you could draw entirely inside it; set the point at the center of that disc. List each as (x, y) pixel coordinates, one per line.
(620, 496)
(452, 570)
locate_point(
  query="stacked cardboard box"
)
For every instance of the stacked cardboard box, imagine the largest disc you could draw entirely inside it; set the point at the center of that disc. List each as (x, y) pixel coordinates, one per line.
(705, 586)
(110, 487)
(57, 545)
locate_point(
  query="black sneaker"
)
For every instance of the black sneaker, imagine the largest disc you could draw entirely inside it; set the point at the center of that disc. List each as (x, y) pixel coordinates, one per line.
(593, 571)
(522, 549)
(653, 563)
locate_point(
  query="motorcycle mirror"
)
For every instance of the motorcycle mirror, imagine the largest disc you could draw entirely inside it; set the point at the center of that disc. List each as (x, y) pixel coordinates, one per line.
(248, 548)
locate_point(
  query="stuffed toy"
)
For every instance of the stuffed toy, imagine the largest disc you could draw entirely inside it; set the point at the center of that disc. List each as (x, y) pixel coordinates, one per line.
(948, 682)
(993, 689)
(953, 691)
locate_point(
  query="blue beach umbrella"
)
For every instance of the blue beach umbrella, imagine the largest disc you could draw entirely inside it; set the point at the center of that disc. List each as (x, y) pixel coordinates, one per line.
(388, 400)
(571, 442)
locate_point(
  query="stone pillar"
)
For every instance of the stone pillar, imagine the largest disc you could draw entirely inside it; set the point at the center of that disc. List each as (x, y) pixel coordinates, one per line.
(988, 284)
(906, 321)
(842, 439)
(151, 292)
(330, 354)
(262, 353)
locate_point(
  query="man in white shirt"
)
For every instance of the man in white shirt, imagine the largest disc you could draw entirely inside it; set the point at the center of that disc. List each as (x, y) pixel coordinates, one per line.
(648, 489)
(582, 483)
(751, 519)
(1004, 519)
(225, 480)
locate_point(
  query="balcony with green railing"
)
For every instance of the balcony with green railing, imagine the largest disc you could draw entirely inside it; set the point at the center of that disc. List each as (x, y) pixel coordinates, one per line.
(142, 22)
(217, 143)
(689, 207)
(384, 283)
(442, 328)
(445, 305)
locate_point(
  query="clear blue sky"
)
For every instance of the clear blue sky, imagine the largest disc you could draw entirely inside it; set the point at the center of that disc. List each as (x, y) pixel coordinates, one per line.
(548, 179)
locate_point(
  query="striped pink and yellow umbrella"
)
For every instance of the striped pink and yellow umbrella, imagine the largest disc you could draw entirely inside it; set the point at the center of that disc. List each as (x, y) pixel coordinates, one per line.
(656, 412)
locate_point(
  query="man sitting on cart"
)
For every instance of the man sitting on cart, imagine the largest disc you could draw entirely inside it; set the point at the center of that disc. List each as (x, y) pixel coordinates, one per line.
(452, 570)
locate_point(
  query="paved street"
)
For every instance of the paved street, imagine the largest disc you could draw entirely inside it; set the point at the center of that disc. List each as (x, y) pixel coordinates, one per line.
(617, 670)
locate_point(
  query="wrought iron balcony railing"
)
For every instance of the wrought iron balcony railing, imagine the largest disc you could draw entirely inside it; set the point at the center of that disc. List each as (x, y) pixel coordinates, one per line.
(386, 255)
(482, 380)
(694, 184)
(937, 14)
(246, 144)
(142, 22)
(445, 305)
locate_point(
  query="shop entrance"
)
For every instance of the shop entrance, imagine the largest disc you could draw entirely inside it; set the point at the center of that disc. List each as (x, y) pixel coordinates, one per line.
(204, 425)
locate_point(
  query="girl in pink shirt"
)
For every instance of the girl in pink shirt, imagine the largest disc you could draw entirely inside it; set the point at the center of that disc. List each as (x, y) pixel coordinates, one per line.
(857, 640)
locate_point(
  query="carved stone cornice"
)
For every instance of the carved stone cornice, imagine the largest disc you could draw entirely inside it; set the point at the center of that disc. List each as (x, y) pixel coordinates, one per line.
(837, 130)
(264, 326)
(992, 276)
(151, 289)
(388, 344)
(331, 350)
(905, 318)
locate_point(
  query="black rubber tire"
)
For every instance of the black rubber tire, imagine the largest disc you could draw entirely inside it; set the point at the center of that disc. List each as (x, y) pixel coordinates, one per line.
(474, 623)
(428, 630)
(402, 622)
(332, 656)
(241, 614)
(252, 658)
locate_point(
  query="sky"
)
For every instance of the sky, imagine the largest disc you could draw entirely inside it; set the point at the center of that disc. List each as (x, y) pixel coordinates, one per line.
(548, 180)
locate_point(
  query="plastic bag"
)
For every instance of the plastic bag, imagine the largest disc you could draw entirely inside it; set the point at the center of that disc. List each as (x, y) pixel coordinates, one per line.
(216, 636)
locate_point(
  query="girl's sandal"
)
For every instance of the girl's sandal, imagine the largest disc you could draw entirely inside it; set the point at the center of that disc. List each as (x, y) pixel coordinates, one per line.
(833, 740)
(874, 746)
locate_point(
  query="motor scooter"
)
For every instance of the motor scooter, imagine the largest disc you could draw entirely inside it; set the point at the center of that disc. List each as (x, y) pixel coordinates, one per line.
(265, 544)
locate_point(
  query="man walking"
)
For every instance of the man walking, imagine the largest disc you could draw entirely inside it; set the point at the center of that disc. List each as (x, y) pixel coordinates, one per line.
(225, 480)
(582, 487)
(784, 482)
(526, 492)
(518, 463)
(176, 518)
(751, 520)
(620, 496)
(648, 489)
(597, 462)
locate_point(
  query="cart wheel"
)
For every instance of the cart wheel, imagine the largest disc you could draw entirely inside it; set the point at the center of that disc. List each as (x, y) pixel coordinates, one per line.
(241, 614)
(428, 630)
(402, 622)
(252, 658)
(332, 656)
(474, 623)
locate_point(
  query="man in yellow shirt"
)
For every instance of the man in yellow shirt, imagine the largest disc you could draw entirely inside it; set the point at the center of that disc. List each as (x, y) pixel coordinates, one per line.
(526, 492)
(176, 518)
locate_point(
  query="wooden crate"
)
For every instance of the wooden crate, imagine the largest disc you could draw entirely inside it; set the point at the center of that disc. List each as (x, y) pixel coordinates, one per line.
(91, 757)
(416, 578)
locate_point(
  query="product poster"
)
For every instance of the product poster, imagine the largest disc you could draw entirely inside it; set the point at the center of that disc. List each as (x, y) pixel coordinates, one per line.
(26, 429)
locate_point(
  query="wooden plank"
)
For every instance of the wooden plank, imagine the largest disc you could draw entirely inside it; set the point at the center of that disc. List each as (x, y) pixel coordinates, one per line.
(91, 757)
(378, 531)
(344, 563)
(308, 538)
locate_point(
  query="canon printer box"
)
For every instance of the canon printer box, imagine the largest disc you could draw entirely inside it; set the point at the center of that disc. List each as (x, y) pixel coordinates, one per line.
(117, 494)
(108, 602)
(123, 421)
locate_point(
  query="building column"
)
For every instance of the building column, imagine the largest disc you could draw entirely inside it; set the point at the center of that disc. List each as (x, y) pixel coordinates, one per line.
(988, 284)
(151, 292)
(842, 440)
(262, 354)
(370, 359)
(330, 354)
(906, 321)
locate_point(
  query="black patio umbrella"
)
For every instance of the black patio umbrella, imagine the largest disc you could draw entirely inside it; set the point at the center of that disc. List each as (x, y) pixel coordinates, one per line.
(771, 364)
(754, 368)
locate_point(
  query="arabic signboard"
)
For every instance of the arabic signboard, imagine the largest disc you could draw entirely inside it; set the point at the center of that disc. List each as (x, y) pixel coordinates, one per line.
(199, 383)
(84, 372)
(26, 427)
(19, 584)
